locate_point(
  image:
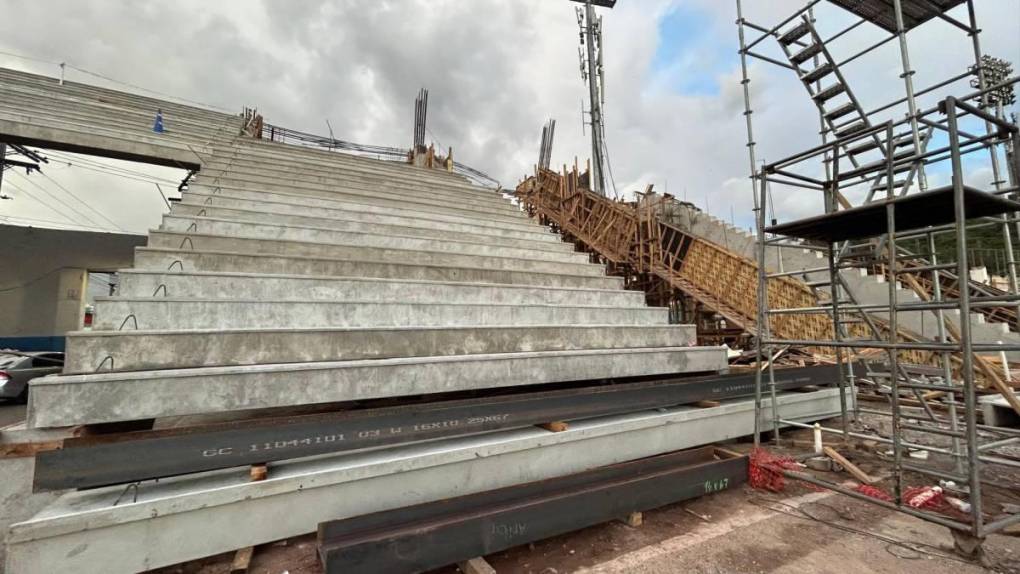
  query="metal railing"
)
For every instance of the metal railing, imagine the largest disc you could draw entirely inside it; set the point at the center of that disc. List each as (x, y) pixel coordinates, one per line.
(280, 134)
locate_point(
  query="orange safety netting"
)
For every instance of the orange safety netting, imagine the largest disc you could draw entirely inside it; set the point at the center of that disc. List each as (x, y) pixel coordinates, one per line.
(874, 492)
(766, 470)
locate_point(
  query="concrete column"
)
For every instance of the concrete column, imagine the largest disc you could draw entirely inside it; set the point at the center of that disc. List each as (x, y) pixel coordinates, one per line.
(71, 290)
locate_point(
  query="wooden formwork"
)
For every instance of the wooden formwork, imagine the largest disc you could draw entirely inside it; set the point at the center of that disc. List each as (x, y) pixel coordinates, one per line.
(639, 243)
(635, 242)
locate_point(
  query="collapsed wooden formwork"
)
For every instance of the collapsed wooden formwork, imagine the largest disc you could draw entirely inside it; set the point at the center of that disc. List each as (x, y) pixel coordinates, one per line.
(638, 242)
(663, 259)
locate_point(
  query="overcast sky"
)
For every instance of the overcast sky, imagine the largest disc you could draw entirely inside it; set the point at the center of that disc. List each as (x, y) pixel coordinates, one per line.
(496, 70)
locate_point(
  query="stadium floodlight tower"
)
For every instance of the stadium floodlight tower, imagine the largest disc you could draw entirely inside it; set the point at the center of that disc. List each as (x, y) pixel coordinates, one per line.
(591, 71)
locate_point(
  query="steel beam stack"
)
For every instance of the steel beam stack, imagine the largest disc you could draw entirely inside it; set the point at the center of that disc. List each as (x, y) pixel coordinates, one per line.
(429, 536)
(125, 529)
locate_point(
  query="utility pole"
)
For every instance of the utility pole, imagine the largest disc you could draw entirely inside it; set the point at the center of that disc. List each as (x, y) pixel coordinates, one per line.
(592, 72)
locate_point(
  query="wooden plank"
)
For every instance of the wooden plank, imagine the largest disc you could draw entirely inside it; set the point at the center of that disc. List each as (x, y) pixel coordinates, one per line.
(722, 452)
(26, 449)
(556, 426)
(698, 514)
(258, 472)
(849, 466)
(476, 566)
(990, 372)
(242, 558)
(634, 519)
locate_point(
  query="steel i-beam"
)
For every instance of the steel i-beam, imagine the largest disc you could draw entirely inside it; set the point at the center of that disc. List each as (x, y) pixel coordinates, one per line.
(428, 536)
(128, 457)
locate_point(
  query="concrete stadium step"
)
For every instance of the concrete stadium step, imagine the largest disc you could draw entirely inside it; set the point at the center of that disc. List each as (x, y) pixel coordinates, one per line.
(337, 200)
(241, 151)
(404, 251)
(98, 398)
(64, 116)
(151, 350)
(47, 85)
(136, 283)
(326, 157)
(396, 177)
(110, 116)
(72, 97)
(232, 261)
(164, 313)
(344, 208)
(129, 144)
(503, 208)
(401, 237)
(412, 193)
(297, 159)
(366, 222)
(320, 158)
(389, 174)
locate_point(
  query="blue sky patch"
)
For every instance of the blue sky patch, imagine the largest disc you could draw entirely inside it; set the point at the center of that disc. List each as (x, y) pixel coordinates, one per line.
(689, 58)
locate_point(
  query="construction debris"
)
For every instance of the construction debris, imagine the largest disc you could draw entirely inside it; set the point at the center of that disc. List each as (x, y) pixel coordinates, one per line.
(850, 467)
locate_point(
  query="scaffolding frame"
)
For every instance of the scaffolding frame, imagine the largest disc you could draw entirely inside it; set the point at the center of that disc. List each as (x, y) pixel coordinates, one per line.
(957, 365)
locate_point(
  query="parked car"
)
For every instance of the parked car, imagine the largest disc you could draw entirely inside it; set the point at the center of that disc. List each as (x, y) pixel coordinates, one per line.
(16, 369)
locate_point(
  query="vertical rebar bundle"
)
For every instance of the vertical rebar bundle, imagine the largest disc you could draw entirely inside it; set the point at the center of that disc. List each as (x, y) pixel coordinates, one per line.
(545, 150)
(421, 108)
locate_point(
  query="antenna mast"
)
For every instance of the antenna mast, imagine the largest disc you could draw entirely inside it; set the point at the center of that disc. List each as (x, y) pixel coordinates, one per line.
(592, 72)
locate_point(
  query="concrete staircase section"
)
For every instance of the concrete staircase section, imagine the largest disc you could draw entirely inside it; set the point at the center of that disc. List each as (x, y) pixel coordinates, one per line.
(410, 238)
(37, 110)
(320, 197)
(366, 221)
(111, 397)
(351, 209)
(289, 276)
(237, 261)
(210, 513)
(148, 350)
(168, 313)
(341, 231)
(213, 285)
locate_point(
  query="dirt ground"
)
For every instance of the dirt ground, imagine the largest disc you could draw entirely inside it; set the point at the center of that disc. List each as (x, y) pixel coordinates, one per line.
(743, 530)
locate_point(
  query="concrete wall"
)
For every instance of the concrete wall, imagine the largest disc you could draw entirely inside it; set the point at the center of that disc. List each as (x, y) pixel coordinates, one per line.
(37, 312)
(43, 286)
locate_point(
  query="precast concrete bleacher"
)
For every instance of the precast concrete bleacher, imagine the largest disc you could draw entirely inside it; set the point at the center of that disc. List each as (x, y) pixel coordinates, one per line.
(289, 276)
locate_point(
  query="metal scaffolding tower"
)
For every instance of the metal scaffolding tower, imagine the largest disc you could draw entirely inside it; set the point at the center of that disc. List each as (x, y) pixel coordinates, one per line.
(879, 217)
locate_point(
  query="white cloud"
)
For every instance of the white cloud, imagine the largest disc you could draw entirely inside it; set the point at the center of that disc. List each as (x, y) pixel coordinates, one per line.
(496, 71)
